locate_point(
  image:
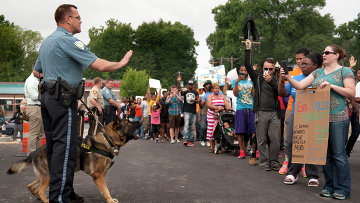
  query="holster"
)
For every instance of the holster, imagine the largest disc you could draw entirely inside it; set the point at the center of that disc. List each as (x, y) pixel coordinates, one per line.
(109, 110)
(81, 113)
(63, 91)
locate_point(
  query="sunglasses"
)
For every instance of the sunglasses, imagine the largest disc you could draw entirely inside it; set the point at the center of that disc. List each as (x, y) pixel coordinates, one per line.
(268, 69)
(307, 64)
(328, 52)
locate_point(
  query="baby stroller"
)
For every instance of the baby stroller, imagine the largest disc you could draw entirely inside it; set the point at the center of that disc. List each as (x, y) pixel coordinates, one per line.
(226, 142)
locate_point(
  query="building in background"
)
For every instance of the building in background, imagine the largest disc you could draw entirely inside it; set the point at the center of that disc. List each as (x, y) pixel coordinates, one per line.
(11, 94)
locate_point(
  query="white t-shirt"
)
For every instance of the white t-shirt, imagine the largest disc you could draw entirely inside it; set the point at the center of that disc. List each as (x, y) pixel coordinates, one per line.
(145, 108)
(357, 94)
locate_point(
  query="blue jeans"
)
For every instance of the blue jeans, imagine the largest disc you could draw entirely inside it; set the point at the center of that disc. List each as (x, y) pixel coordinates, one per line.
(336, 170)
(189, 126)
(141, 129)
(203, 120)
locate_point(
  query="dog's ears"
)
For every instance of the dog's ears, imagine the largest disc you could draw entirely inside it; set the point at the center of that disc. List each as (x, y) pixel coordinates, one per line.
(116, 123)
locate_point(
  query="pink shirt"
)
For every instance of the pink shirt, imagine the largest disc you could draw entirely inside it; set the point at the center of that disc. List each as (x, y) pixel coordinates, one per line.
(155, 117)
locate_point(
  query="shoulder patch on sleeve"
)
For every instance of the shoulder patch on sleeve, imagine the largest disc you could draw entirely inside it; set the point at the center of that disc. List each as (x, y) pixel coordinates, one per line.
(79, 44)
(94, 92)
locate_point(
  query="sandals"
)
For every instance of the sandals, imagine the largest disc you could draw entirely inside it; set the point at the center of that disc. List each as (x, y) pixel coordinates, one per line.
(313, 182)
(291, 178)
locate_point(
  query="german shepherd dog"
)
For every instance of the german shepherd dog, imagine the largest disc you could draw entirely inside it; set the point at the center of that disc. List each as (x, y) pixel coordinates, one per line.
(94, 164)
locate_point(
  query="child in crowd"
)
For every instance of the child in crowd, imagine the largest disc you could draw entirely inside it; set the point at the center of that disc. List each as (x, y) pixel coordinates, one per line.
(155, 120)
(228, 129)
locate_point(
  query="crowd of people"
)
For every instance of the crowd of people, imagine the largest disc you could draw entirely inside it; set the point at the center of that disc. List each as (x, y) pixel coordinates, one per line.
(265, 103)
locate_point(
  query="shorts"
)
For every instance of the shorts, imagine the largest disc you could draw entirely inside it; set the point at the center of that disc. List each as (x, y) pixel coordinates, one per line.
(156, 128)
(164, 119)
(174, 121)
(244, 122)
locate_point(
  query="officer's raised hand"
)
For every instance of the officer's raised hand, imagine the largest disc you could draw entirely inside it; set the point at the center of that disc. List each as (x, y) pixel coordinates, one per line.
(103, 65)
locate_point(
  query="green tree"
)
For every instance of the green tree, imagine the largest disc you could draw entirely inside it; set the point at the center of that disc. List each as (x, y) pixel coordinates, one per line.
(160, 48)
(134, 83)
(283, 27)
(110, 43)
(17, 51)
(349, 37)
(164, 48)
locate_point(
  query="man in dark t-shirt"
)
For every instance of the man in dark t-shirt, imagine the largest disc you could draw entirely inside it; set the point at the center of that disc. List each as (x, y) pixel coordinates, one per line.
(191, 97)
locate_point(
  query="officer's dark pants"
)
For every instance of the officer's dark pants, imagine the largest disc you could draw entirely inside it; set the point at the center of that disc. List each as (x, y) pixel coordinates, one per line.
(94, 124)
(60, 125)
(109, 114)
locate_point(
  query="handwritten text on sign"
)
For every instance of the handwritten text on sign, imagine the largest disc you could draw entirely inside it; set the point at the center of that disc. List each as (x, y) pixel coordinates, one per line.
(311, 126)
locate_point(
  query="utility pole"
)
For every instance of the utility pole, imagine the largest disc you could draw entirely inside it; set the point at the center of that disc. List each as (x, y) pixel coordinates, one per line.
(213, 63)
(231, 59)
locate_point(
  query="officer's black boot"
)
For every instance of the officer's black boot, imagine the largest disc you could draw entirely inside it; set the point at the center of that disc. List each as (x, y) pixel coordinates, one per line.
(75, 198)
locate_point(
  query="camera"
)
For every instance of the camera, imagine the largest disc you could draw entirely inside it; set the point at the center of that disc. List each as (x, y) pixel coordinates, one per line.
(286, 67)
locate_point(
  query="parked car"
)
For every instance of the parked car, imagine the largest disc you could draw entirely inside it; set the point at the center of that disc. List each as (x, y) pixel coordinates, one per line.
(9, 126)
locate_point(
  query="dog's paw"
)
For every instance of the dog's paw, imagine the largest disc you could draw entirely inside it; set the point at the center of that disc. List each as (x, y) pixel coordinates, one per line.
(113, 200)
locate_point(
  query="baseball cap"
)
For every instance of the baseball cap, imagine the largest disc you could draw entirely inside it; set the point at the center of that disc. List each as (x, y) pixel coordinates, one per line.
(207, 82)
(191, 82)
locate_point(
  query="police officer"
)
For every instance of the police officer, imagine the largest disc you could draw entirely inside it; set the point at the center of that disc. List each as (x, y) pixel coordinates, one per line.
(62, 59)
(110, 101)
(95, 102)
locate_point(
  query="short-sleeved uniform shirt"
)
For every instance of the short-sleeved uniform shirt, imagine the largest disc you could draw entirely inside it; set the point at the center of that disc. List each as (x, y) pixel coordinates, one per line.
(244, 99)
(95, 93)
(62, 54)
(338, 108)
(292, 91)
(108, 94)
(189, 105)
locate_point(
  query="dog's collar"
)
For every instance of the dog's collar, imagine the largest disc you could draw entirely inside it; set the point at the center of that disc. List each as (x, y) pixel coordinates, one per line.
(107, 137)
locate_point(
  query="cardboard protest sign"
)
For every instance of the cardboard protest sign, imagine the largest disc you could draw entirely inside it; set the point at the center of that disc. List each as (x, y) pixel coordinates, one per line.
(154, 83)
(311, 126)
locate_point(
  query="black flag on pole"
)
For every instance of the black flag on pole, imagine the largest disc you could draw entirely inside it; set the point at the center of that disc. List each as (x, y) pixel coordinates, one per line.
(250, 28)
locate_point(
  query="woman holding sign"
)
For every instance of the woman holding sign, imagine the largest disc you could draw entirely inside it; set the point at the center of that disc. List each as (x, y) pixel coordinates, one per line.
(342, 82)
(308, 65)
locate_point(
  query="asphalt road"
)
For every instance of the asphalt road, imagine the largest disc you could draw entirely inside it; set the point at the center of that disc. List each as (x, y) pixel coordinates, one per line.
(164, 172)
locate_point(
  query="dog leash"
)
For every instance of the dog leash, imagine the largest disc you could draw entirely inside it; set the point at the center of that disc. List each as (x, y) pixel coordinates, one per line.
(105, 135)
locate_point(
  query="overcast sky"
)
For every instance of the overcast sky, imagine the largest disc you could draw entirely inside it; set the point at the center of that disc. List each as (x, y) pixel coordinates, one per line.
(38, 15)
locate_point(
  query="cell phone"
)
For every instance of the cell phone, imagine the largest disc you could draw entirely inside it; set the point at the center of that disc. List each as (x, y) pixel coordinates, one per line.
(285, 67)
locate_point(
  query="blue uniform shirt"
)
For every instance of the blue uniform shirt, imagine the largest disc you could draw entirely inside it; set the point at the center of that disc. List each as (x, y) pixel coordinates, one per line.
(62, 54)
(292, 91)
(107, 94)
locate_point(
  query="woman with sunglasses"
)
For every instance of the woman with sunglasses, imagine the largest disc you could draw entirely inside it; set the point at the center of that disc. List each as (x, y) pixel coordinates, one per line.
(308, 64)
(342, 82)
